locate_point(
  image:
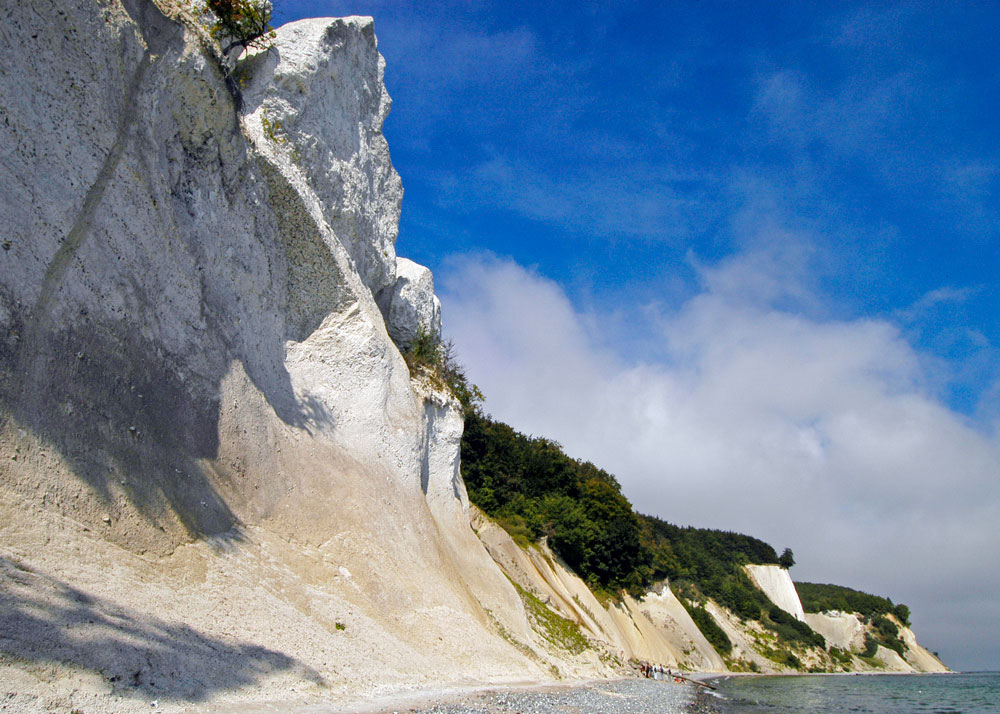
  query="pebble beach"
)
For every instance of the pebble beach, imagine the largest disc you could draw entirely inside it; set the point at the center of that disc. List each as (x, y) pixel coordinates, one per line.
(628, 696)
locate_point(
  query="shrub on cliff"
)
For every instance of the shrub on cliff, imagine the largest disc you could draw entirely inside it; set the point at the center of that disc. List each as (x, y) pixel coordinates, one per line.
(902, 613)
(241, 23)
(435, 359)
(793, 630)
(887, 633)
(425, 352)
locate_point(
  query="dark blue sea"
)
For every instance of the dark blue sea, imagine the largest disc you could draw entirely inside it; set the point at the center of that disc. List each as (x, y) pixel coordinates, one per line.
(974, 693)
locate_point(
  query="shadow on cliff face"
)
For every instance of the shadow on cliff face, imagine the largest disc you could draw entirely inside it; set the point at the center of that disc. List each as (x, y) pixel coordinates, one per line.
(47, 620)
(124, 422)
(139, 423)
(135, 419)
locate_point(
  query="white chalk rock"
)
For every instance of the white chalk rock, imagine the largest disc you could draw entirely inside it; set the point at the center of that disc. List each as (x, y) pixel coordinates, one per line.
(318, 95)
(675, 625)
(921, 659)
(839, 629)
(413, 305)
(778, 586)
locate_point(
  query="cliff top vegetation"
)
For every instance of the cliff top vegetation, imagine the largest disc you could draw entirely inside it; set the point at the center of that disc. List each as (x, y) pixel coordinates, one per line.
(818, 597)
(533, 489)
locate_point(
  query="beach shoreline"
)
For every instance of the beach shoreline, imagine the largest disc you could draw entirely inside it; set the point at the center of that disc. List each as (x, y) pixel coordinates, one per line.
(482, 699)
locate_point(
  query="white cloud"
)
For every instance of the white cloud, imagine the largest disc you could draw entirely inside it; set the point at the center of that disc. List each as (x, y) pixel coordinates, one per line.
(815, 434)
(932, 300)
(857, 118)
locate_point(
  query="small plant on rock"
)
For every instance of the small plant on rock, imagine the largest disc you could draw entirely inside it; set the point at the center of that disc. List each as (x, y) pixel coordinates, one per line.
(426, 352)
(428, 355)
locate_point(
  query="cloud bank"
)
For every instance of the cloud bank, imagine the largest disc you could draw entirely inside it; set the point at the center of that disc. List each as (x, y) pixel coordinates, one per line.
(824, 435)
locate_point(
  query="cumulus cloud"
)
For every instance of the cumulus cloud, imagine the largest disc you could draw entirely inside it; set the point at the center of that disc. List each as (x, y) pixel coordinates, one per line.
(821, 435)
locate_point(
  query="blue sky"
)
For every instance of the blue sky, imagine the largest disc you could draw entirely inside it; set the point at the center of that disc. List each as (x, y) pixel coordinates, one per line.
(771, 228)
(611, 146)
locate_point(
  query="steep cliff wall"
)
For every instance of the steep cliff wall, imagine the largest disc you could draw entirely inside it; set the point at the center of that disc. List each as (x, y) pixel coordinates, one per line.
(667, 613)
(777, 584)
(217, 473)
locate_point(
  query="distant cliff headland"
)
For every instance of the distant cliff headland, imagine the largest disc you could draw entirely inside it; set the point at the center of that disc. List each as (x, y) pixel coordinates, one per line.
(235, 462)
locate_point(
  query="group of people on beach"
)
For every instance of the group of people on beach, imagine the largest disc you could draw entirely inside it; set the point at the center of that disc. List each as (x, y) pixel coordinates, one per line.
(657, 671)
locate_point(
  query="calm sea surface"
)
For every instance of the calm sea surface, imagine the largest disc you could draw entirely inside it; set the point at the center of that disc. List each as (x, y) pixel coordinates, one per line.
(975, 693)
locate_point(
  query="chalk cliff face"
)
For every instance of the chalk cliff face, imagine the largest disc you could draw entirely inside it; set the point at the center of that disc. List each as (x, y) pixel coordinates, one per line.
(198, 392)
(778, 586)
(847, 631)
(316, 106)
(218, 480)
(191, 316)
(843, 630)
(413, 305)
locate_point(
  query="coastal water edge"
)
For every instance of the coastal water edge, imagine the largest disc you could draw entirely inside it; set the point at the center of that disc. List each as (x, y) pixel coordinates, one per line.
(965, 693)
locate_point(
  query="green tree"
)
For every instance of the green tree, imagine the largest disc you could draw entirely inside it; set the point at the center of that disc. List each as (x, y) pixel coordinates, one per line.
(242, 23)
(786, 560)
(902, 612)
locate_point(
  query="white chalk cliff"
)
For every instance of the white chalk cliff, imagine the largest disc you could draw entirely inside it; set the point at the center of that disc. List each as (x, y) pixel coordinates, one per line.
(847, 631)
(778, 586)
(216, 469)
(218, 481)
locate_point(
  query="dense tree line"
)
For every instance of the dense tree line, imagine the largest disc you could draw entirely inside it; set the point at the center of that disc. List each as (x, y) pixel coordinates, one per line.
(534, 489)
(705, 562)
(817, 597)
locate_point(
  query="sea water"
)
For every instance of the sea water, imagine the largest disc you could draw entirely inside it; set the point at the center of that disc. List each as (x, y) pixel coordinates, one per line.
(973, 693)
